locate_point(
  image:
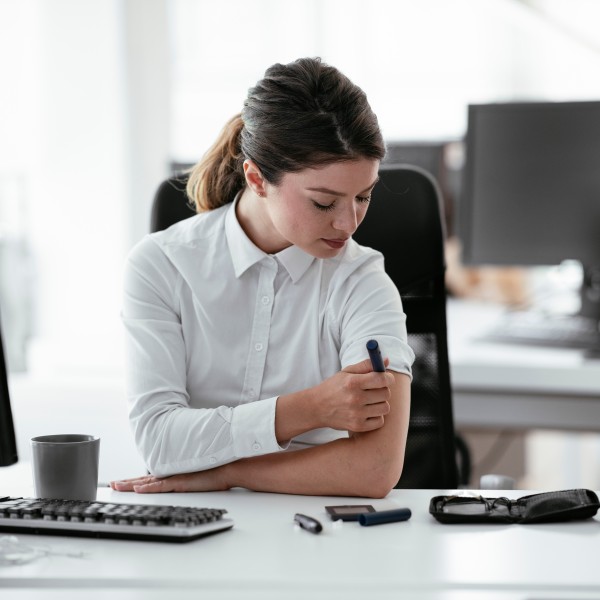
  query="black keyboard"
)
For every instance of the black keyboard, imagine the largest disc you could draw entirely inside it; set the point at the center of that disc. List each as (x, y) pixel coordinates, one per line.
(110, 520)
(546, 330)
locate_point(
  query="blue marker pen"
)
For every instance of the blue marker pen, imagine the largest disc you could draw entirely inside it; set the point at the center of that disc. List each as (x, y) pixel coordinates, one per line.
(375, 356)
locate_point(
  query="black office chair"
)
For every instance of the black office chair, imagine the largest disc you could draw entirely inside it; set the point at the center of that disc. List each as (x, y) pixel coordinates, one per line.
(404, 223)
(171, 203)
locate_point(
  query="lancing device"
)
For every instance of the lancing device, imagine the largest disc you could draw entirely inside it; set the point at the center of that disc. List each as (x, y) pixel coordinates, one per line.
(375, 356)
(308, 523)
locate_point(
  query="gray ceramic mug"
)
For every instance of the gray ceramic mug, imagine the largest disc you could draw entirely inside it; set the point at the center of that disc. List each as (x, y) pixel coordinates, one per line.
(65, 466)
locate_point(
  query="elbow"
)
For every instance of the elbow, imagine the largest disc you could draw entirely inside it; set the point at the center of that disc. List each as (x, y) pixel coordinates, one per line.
(377, 476)
(380, 486)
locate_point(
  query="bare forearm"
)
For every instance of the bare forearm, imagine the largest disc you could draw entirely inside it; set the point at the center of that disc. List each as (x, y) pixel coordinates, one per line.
(367, 464)
(343, 467)
(295, 415)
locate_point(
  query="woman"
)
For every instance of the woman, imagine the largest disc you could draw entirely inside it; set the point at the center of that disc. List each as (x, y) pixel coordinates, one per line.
(247, 324)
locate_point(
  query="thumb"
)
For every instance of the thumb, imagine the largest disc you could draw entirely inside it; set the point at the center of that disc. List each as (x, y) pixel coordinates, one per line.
(364, 366)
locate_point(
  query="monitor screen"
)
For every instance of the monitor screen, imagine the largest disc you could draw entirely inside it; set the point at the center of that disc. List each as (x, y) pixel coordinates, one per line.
(531, 188)
(8, 445)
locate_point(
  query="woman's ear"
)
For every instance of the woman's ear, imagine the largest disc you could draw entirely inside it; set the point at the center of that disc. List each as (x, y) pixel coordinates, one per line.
(254, 178)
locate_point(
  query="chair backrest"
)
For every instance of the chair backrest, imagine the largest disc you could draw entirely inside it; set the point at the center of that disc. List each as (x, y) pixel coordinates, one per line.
(404, 223)
(170, 204)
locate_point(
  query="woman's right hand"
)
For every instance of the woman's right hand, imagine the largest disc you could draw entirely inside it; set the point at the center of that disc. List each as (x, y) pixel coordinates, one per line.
(355, 399)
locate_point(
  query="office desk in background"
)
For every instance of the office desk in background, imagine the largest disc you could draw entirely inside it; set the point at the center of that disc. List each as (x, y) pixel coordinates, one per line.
(517, 386)
(265, 557)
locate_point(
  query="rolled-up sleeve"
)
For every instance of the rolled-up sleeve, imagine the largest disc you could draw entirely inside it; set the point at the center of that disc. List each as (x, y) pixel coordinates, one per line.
(172, 436)
(370, 307)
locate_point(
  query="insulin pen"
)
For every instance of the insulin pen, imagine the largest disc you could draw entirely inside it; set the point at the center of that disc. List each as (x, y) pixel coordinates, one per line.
(375, 356)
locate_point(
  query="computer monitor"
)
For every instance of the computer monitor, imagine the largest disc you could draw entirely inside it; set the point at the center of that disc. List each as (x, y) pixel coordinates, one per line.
(8, 444)
(531, 188)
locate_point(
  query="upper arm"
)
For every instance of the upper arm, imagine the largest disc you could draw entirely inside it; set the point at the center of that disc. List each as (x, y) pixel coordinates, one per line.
(150, 284)
(369, 306)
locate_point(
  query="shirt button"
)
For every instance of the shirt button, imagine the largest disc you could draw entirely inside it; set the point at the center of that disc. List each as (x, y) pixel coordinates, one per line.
(213, 460)
(256, 446)
(258, 347)
(265, 300)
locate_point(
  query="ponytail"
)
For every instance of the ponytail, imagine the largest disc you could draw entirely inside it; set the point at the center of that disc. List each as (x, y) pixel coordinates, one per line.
(219, 175)
(305, 114)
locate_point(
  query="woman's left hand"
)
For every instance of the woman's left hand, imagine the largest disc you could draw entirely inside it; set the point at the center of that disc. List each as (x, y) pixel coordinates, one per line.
(201, 481)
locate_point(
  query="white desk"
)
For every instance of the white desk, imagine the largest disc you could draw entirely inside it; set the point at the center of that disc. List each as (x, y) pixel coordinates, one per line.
(265, 557)
(521, 387)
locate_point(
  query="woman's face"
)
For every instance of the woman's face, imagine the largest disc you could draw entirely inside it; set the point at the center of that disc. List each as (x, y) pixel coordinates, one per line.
(319, 209)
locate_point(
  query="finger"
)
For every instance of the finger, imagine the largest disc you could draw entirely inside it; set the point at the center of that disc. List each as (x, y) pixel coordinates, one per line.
(380, 409)
(174, 483)
(133, 480)
(375, 423)
(154, 487)
(369, 425)
(122, 486)
(377, 381)
(126, 485)
(364, 366)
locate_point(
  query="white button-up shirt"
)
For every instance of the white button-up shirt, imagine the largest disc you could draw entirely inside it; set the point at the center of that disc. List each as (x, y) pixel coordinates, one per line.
(216, 330)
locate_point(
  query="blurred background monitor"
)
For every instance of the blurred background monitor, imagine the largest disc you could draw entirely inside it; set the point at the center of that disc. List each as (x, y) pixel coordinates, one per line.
(8, 445)
(531, 188)
(440, 158)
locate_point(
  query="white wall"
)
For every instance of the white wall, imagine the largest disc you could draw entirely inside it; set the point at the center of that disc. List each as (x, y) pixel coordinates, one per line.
(78, 130)
(55, 404)
(421, 62)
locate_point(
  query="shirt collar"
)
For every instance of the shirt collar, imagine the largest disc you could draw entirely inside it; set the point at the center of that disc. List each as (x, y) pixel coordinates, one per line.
(244, 253)
(295, 261)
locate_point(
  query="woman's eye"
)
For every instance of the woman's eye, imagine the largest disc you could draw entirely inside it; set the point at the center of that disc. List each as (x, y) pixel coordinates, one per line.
(364, 198)
(324, 207)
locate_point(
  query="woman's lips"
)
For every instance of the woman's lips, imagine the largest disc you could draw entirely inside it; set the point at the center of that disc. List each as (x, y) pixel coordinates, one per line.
(337, 244)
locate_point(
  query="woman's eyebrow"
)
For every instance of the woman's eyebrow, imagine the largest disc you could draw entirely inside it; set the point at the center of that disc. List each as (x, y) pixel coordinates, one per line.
(324, 190)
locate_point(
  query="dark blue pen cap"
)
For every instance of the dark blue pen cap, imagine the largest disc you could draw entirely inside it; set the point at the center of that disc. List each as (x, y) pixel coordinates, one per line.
(384, 516)
(375, 356)
(372, 345)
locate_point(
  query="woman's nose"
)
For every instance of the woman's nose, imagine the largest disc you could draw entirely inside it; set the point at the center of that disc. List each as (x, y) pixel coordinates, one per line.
(346, 220)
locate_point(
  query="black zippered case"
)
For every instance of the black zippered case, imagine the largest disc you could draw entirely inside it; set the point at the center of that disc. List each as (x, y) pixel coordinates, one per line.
(545, 507)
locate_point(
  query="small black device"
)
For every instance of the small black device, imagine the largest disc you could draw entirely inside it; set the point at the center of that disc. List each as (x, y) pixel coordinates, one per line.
(348, 512)
(308, 523)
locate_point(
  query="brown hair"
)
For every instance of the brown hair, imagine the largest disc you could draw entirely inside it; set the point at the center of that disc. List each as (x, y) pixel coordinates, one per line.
(300, 115)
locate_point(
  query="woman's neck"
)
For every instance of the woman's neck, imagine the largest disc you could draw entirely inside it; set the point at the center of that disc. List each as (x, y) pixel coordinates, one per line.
(254, 219)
